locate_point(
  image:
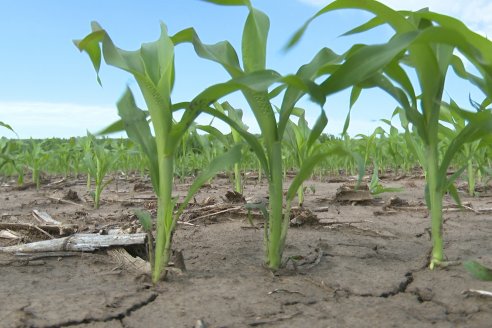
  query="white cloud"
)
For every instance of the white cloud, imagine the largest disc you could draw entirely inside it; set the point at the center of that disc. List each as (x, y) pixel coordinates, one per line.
(46, 120)
(476, 14)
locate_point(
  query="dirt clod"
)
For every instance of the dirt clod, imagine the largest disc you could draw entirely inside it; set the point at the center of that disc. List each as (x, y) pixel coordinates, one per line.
(72, 195)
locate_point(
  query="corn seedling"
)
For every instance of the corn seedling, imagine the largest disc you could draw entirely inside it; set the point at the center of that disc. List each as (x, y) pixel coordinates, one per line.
(254, 80)
(473, 153)
(98, 161)
(6, 157)
(236, 115)
(397, 151)
(372, 152)
(152, 66)
(424, 42)
(302, 141)
(35, 157)
(229, 141)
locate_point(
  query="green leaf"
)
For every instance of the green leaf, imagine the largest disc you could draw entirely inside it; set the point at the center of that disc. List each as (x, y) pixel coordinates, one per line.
(256, 81)
(253, 82)
(395, 19)
(365, 62)
(478, 271)
(138, 130)
(416, 147)
(214, 132)
(145, 219)
(453, 38)
(372, 23)
(460, 70)
(310, 163)
(479, 126)
(454, 194)
(290, 136)
(398, 74)
(262, 206)
(461, 31)
(254, 42)
(5, 125)
(317, 129)
(90, 44)
(379, 189)
(236, 115)
(152, 66)
(306, 72)
(354, 95)
(222, 52)
(114, 127)
(219, 163)
(250, 138)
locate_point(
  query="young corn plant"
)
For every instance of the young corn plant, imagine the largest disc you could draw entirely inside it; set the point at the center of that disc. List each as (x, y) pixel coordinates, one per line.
(35, 157)
(369, 147)
(302, 141)
(13, 159)
(86, 145)
(98, 161)
(183, 153)
(424, 42)
(195, 151)
(254, 80)
(398, 152)
(228, 141)
(474, 153)
(236, 115)
(152, 66)
(7, 158)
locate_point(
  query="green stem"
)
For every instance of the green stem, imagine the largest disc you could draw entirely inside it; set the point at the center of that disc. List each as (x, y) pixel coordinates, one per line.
(286, 223)
(471, 178)
(97, 195)
(35, 177)
(275, 243)
(166, 255)
(300, 194)
(435, 206)
(150, 250)
(98, 182)
(237, 178)
(164, 216)
(20, 177)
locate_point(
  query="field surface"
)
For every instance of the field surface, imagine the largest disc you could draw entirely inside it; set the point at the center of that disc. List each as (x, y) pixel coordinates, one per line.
(352, 261)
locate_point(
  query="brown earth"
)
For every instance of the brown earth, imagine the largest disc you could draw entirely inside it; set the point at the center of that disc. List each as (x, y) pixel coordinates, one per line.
(364, 264)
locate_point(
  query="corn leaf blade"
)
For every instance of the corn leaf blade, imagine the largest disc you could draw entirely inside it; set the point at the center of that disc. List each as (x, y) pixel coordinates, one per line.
(136, 126)
(219, 163)
(254, 42)
(478, 271)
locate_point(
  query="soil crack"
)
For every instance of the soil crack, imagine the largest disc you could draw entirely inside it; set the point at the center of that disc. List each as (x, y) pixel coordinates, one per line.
(402, 286)
(118, 316)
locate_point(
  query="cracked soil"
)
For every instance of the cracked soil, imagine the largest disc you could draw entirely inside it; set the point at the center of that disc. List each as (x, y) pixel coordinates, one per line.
(356, 268)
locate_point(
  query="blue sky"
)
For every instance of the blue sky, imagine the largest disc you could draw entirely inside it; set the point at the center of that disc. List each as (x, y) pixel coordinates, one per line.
(49, 89)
